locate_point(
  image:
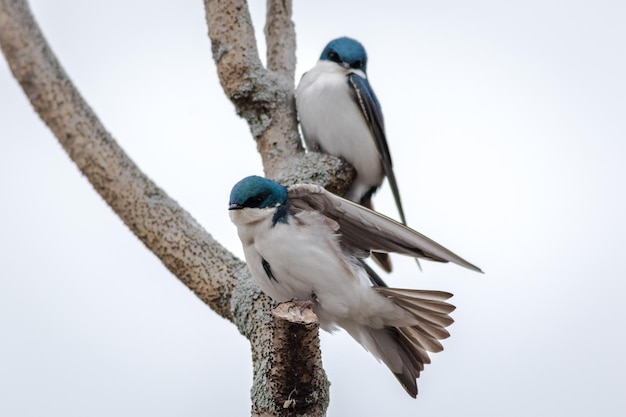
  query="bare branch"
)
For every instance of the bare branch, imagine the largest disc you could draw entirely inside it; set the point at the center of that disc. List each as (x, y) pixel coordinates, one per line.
(183, 246)
(188, 251)
(288, 374)
(264, 98)
(260, 96)
(280, 36)
(293, 385)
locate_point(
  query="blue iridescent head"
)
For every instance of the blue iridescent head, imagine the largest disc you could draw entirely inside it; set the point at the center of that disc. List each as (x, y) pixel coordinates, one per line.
(346, 52)
(257, 192)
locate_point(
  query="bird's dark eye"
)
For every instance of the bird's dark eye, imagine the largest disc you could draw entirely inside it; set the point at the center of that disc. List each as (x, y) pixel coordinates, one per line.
(356, 64)
(333, 56)
(254, 201)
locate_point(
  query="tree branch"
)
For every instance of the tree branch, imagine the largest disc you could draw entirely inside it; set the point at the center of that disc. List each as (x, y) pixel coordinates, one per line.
(265, 98)
(259, 95)
(280, 36)
(216, 276)
(183, 246)
(298, 379)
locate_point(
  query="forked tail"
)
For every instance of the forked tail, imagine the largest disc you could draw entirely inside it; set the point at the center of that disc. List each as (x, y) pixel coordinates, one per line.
(405, 349)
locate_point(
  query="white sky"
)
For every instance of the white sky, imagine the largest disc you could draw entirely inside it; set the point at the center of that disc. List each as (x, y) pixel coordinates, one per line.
(507, 128)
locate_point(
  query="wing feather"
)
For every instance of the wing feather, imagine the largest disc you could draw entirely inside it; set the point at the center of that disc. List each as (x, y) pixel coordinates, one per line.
(367, 101)
(364, 229)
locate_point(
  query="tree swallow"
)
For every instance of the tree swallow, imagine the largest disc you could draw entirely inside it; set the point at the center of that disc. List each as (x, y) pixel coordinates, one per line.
(341, 116)
(304, 243)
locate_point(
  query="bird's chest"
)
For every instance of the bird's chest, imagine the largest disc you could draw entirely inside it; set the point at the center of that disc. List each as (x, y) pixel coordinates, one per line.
(333, 122)
(279, 260)
(299, 260)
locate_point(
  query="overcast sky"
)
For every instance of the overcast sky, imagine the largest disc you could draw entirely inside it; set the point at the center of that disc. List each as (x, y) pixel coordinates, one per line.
(506, 123)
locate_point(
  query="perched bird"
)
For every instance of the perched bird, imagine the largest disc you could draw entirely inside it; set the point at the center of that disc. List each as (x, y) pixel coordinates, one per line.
(341, 116)
(304, 243)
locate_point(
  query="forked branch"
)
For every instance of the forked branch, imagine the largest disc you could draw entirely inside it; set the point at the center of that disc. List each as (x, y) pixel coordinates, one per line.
(265, 99)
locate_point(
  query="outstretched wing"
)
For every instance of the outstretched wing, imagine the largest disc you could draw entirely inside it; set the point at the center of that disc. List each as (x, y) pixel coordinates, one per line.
(364, 229)
(370, 107)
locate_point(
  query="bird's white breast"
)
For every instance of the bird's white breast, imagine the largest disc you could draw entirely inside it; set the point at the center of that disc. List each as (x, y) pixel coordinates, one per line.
(334, 123)
(307, 263)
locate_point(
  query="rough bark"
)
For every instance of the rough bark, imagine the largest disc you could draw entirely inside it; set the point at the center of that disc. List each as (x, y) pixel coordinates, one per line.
(264, 97)
(297, 374)
(287, 381)
(183, 246)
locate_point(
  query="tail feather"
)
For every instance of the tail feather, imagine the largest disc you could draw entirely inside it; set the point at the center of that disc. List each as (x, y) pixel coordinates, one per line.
(404, 359)
(413, 360)
(422, 297)
(436, 318)
(426, 307)
(405, 349)
(421, 338)
(418, 353)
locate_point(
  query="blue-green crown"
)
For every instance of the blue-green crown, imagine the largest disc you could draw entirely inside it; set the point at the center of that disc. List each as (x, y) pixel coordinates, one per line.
(257, 192)
(346, 51)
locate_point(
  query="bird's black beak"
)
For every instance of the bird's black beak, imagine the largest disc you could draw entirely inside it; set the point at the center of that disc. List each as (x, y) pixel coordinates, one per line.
(235, 206)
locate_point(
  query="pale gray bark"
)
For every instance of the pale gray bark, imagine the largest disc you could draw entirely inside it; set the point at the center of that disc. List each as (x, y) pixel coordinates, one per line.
(287, 381)
(264, 97)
